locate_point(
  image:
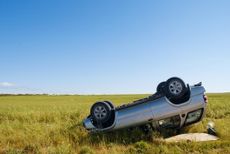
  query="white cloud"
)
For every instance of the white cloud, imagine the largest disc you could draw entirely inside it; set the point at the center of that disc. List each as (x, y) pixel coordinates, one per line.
(6, 84)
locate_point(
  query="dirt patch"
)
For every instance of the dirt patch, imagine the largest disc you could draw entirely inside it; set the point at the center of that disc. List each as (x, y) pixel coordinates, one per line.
(197, 137)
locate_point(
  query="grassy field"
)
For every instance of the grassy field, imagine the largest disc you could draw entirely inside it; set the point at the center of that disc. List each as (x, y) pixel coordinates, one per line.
(52, 124)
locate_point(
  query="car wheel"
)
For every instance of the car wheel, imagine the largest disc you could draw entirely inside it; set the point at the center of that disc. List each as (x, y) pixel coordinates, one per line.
(175, 88)
(110, 104)
(160, 87)
(101, 112)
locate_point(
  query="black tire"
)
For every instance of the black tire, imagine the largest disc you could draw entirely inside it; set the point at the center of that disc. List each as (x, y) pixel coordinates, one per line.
(101, 112)
(110, 104)
(160, 87)
(175, 88)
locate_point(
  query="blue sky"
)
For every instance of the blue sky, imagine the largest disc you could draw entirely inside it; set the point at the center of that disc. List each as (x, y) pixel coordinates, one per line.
(111, 47)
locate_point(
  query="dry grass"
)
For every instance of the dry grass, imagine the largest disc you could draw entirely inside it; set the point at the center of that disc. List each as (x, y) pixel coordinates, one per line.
(52, 124)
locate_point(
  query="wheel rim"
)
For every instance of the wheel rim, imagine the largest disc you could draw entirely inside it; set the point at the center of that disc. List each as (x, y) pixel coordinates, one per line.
(100, 112)
(175, 87)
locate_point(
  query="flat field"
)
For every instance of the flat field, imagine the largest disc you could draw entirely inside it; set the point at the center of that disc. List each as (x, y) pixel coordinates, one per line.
(52, 124)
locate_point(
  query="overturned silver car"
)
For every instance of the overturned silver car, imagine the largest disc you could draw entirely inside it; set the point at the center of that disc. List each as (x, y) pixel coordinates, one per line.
(174, 105)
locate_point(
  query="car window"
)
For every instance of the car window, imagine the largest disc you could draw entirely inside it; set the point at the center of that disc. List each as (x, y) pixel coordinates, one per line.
(171, 122)
(193, 116)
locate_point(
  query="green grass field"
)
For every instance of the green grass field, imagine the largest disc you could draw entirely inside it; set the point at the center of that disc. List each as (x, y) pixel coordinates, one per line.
(52, 124)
